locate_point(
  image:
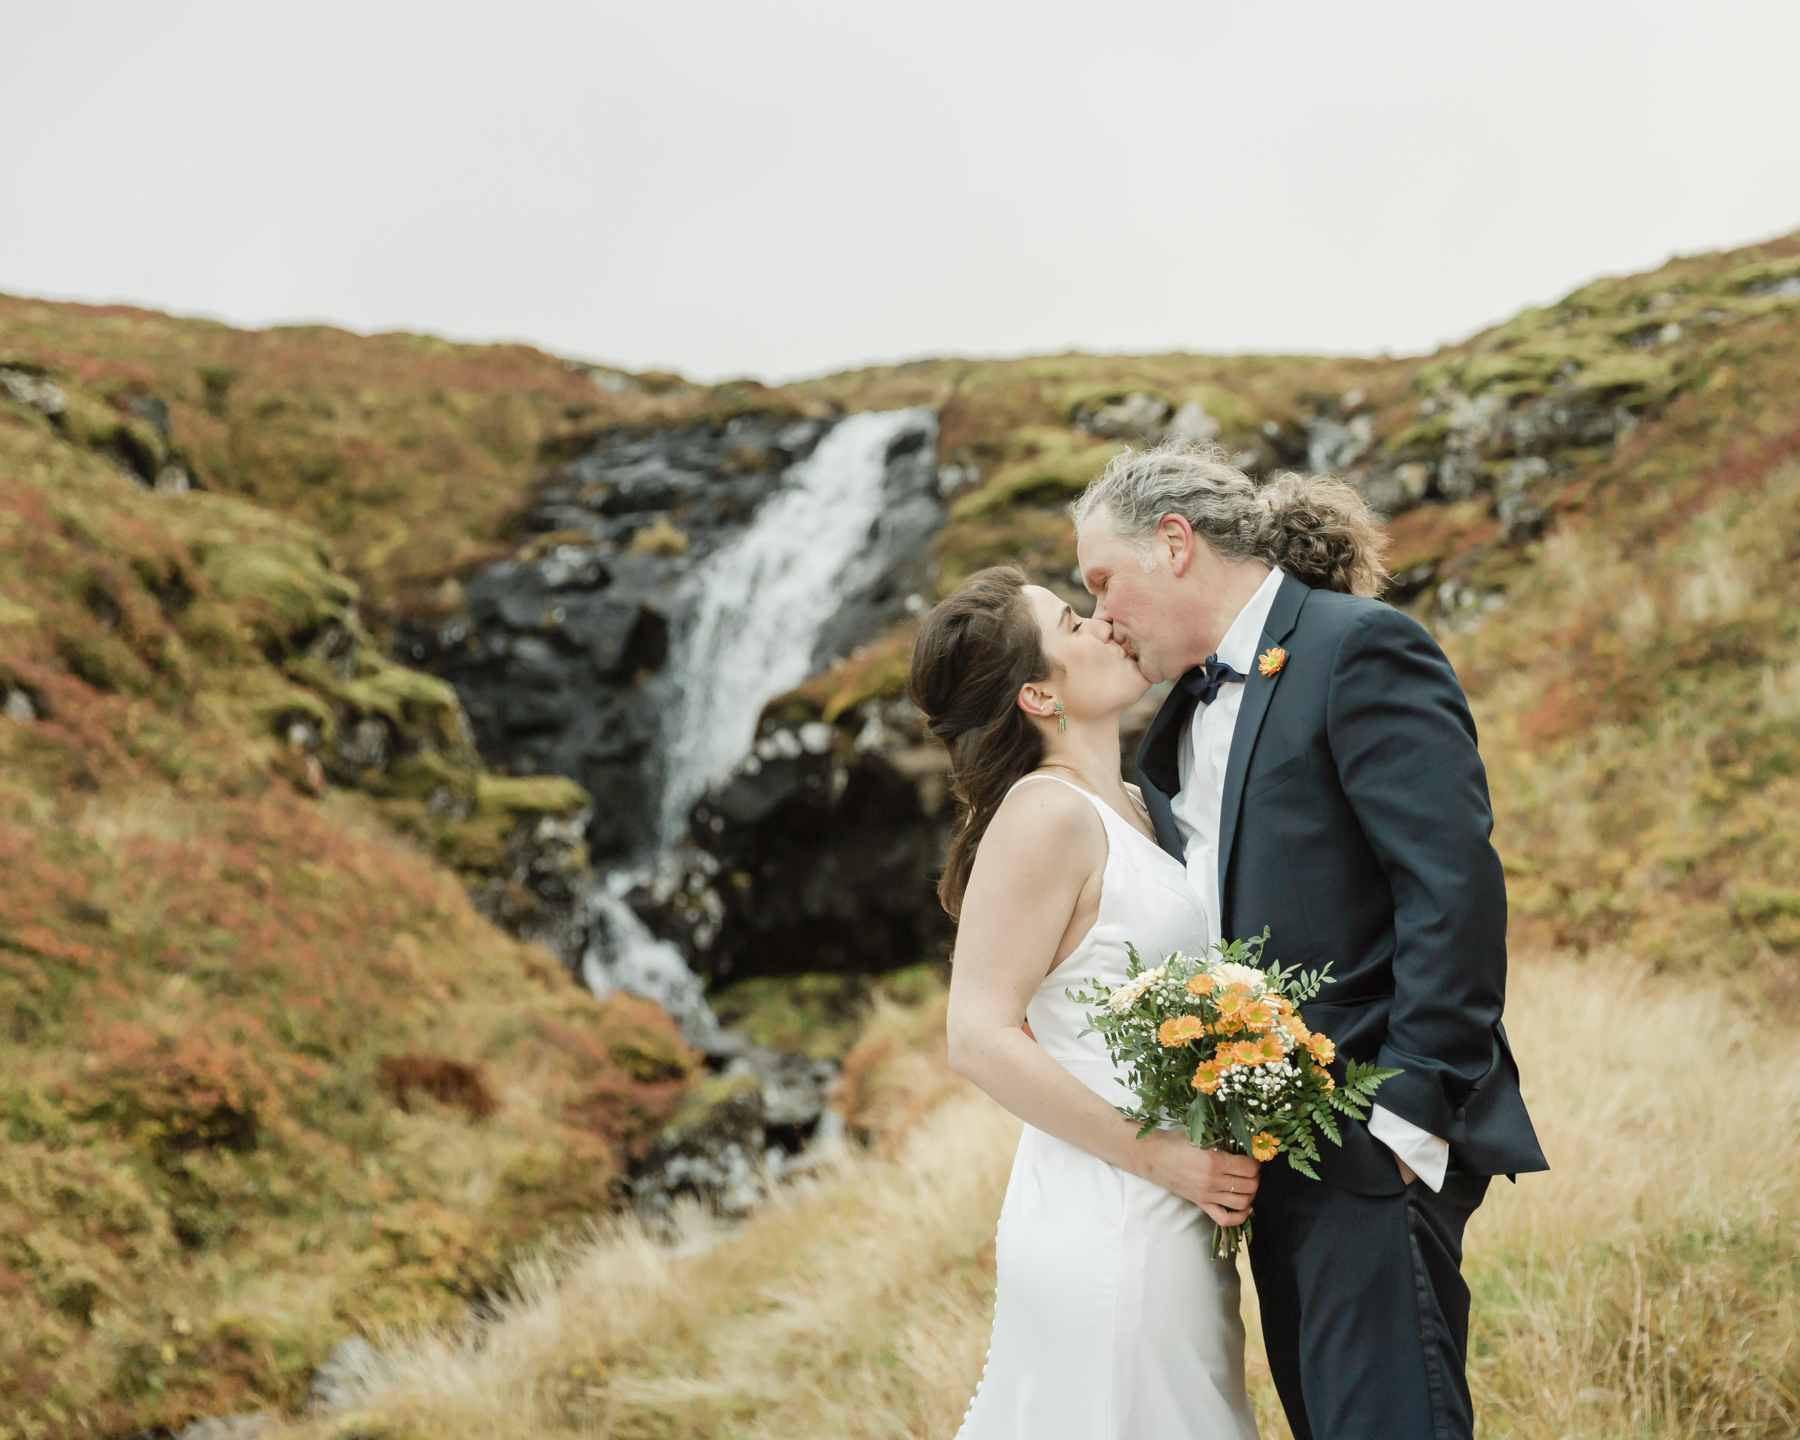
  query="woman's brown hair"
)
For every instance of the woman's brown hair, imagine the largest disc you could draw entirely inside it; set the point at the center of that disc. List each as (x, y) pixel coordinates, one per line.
(975, 650)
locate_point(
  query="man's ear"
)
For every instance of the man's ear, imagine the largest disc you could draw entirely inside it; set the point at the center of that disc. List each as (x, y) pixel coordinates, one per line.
(1175, 532)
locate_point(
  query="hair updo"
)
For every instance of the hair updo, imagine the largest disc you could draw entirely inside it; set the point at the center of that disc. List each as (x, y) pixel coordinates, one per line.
(974, 652)
(1315, 527)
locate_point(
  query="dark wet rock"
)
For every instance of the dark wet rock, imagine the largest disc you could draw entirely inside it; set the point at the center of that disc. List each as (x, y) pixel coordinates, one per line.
(814, 856)
(560, 654)
(539, 892)
(737, 1132)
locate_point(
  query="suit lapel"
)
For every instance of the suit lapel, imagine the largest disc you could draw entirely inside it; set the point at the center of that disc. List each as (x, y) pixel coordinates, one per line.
(1259, 689)
(1159, 773)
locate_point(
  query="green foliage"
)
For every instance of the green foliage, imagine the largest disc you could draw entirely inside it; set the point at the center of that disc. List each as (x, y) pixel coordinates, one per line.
(1215, 1045)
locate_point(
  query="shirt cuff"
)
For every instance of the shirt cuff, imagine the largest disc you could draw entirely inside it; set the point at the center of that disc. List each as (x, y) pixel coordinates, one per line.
(1426, 1154)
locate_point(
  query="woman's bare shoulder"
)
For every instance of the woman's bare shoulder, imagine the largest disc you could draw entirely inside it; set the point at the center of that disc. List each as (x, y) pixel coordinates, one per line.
(1045, 817)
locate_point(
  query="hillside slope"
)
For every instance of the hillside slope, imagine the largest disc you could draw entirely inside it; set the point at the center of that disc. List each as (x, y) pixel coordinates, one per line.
(238, 840)
(266, 1075)
(1593, 505)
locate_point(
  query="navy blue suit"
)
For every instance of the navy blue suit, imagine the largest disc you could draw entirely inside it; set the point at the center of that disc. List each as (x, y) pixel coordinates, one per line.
(1355, 826)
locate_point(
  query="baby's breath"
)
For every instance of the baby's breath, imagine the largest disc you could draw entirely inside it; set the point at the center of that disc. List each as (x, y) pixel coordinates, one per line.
(1251, 1078)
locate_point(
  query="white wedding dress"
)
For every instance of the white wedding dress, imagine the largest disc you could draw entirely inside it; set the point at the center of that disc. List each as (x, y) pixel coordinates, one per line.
(1112, 1321)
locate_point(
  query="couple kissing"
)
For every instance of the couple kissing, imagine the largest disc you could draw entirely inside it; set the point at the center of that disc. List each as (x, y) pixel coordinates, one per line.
(1313, 772)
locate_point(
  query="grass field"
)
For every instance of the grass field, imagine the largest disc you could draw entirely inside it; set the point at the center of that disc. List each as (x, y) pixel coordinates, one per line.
(1646, 1286)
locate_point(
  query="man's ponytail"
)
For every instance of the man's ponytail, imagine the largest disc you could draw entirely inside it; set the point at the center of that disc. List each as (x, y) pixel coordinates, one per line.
(1320, 531)
(1315, 527)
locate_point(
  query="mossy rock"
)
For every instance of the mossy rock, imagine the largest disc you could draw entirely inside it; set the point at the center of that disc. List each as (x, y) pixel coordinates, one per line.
(288, 586)
(640, 1038)
(820, 1016)
(1077, 400)
(424, 775)
(472, 847)
(420, 706)
(878, 670)
(274, 705)
(712, 1099)
(1060, 467)
(519, 795)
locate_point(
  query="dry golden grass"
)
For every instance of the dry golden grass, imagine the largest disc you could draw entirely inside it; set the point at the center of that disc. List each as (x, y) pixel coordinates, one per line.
(1644, 1287)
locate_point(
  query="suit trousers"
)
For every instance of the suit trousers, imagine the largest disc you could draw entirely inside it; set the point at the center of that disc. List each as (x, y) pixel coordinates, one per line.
(1364, 1311)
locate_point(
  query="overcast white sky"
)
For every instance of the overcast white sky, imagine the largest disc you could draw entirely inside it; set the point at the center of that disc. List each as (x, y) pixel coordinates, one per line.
(780, 189)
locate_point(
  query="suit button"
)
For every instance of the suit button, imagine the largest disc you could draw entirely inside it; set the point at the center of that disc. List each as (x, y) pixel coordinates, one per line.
(1460, 1112)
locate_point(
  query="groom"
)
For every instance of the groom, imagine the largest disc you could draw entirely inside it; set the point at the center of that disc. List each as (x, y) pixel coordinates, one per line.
(1315, 769)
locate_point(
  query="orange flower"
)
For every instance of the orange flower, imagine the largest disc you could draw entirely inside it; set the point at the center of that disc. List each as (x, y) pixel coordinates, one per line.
(1264, 1146)
(1271, 660)
(1296, 1030)
(1179, 1029)
(1200, 984)
(1206, 1078)
(1326, 1083)
(1323, 1050)
(1246, 1052)
(1268, 1049)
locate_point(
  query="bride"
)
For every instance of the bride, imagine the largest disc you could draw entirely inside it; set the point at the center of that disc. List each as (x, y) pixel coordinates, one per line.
(1111, 1319)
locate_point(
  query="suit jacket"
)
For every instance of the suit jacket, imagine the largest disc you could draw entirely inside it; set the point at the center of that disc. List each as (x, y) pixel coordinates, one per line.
(1355, 825)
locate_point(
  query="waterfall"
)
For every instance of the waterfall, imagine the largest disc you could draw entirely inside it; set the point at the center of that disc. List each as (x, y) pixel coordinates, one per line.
(622, 954)
(750, 627)
(760, 602)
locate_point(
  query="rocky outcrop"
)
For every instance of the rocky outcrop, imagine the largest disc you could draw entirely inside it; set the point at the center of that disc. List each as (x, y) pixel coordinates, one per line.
(819, 854)
(559, 653)
(761, 1117)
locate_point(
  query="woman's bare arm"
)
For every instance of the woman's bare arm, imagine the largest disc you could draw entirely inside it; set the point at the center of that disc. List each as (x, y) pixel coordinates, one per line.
(1038, 870)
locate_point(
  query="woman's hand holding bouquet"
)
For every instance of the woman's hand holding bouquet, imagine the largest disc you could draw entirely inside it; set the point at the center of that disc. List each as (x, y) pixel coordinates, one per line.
(1215, 1045)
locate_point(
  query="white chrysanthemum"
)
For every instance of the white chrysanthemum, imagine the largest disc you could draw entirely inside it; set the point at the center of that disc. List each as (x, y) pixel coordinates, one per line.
(1127, 994)
(1236, 974)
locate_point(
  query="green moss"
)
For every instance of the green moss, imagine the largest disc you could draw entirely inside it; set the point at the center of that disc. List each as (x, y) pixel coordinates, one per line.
(1040, 541)
(820, 1016)
(878, 669)
(706, 1098)
(419, 705)
(530, 795)
(288, 585)
(815, 1015)
(424, 775)
(274, 705)
(1058, 466)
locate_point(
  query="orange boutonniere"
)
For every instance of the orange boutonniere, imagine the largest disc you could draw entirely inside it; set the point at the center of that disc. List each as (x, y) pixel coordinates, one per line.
(1271, 660)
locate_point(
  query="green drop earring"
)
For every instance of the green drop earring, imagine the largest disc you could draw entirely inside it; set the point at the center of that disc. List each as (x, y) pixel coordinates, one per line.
(1062, 717)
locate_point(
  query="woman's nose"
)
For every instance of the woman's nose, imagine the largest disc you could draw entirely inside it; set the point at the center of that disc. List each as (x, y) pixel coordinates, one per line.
(1103, 628)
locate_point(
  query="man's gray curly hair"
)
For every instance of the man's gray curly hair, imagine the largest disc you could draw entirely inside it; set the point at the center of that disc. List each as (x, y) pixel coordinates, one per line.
(1315, 527)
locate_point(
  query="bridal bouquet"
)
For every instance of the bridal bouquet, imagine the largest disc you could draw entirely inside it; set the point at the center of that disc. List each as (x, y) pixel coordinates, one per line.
(1216, 1046)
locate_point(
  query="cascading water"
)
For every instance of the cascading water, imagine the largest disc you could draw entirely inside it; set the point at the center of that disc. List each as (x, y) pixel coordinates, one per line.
(622, 954)
(749, 630)
(760, 603)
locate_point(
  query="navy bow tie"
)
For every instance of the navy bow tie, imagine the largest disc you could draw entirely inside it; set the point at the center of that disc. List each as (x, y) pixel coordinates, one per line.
(1158, 760)
(1204, 680)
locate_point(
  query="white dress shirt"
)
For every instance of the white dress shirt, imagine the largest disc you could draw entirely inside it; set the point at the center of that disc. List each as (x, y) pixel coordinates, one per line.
(1204, 750)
